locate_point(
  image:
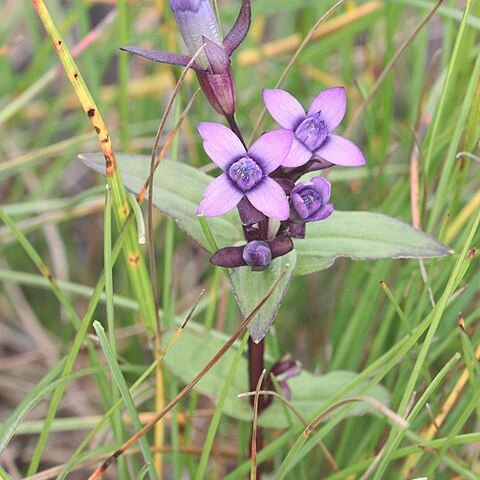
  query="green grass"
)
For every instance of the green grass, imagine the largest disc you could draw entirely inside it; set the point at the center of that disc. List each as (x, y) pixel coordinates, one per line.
(72, 392)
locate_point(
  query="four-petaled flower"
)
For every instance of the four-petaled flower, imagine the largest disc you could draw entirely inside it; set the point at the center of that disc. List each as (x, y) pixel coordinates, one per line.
(310, 200)
(245, 171)
(313, 129)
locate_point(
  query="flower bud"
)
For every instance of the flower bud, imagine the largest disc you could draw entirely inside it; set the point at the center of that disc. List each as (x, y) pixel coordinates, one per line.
(309, 200)
(257, 254)
(196, 19)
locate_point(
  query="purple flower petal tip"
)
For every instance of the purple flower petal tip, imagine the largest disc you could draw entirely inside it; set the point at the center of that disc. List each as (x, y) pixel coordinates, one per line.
(220, 143)
(340, 151)
(220, 197)
(332, 103)
(283, 107)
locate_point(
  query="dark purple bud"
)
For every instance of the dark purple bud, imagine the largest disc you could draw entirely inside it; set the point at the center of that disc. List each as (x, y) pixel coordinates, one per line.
(280, 245)
(229, 257)
(249, 214)
(240, 28)
(196, 19)
(257, 254)
(312, 132)
(309, 200)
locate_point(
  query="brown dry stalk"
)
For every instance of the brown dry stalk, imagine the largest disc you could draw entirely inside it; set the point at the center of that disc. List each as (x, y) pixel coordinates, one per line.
(83, 94)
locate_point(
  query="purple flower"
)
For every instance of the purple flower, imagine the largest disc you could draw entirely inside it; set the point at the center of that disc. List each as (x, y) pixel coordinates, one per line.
(309, 200)
(313, 129)
(198, 25)
(245, 172)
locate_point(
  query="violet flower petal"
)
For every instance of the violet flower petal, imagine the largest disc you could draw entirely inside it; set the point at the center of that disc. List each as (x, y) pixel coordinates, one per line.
(220, 197)
(271, 149)
(324, 187)
(220, 143)
(299, 155)
(340, 151)
(322, 213)
(239, 29)
(283, 107)
(333, 104)
(299, 205)
(268, 197)
(159, 56)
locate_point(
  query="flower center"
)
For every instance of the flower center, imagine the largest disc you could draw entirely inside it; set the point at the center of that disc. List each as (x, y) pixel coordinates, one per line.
(312, 200)
(312, 132)
(245, 173)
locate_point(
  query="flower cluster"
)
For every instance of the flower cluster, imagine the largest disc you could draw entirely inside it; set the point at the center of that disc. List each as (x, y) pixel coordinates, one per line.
(261, 181)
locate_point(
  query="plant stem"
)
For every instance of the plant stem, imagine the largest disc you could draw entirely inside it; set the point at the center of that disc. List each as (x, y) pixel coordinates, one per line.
(255, 369)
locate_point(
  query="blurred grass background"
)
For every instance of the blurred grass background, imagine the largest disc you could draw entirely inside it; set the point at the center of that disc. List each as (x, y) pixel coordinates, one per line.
(424, 113)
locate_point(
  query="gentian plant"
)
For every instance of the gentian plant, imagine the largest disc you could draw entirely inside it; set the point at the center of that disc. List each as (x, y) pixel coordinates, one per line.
(286, 220)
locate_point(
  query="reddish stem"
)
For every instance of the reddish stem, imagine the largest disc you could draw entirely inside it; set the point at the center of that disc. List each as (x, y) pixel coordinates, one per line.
(255, 369)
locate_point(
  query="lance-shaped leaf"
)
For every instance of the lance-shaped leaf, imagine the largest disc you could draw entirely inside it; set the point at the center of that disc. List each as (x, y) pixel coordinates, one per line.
(250, 287)
(362, 236)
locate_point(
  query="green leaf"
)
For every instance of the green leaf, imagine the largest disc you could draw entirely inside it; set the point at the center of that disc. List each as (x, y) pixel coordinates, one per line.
(178, 189)
(195, 348)
(250, 287)
(362, 236)
(127, 397)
